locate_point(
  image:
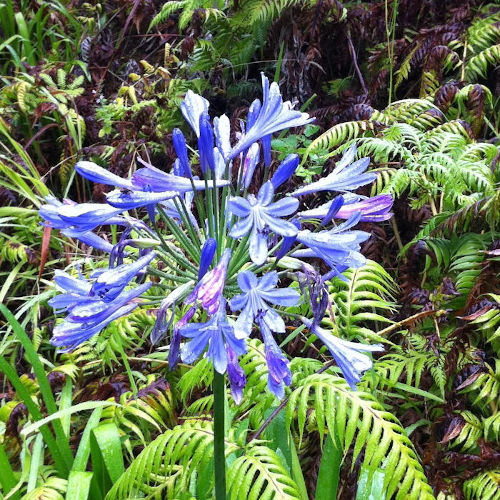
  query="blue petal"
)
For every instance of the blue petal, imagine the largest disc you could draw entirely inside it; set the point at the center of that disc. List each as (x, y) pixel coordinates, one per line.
(285, 170)
(192, 108)
(239, 206)
(95, 173)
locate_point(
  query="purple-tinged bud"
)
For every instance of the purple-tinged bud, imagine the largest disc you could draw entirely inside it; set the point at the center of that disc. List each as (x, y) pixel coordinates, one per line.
(181, 150)
(251, 160)
(209, 289)
(207, 255)
(285, 170)
(206, 144)
(236, 375)
(337, 203)
(374, 209)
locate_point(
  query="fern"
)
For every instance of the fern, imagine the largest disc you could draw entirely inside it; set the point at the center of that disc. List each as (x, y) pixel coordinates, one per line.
(357, 419)
(485, 486)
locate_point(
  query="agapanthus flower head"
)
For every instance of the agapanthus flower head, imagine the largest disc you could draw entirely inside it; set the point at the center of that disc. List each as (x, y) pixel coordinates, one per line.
(274, 115)
(192, 107)
(209, 289)
(216, 333)
(348, 355)
(110, 283)
(257, 294)
(346, 176)
(279, 373)
(375, 209)
(258, 215)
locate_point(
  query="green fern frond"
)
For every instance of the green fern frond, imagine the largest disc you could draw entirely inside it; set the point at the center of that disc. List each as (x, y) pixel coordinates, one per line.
(477, 66)
(485, 486)
(359, 420)
(259, 474)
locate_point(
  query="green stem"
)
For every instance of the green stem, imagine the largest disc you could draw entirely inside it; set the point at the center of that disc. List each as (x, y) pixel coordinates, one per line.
(133, 385)
(219, 389)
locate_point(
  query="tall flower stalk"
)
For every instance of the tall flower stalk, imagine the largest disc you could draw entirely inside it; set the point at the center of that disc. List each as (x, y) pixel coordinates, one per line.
(210, 250)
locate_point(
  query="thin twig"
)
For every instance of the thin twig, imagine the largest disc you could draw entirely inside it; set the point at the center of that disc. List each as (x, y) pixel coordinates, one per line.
(355, 62)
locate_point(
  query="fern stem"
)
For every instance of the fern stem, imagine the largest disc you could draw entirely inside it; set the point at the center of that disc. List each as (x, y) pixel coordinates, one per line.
(219, 389)
(396, 234)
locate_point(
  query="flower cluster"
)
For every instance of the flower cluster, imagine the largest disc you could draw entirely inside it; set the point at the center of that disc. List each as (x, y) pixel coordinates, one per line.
(221, 247)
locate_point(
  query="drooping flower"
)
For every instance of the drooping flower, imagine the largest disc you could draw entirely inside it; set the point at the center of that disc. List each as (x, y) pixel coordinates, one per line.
(111, 282)
(161, 326)
(346, 176)
(257, 294)
(337, 247)
(285, 170)
(375, 209)
(216, 333)
(209, 289)
(87, 313)
(258, 214)
(274, 115)
(236, 375)
(279, 373)
(348, 355)
(192, 107)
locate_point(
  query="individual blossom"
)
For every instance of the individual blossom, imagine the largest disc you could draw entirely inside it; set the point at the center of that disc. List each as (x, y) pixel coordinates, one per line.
(222, 129)
(192, 107)
(274, 115)
(279, 373)
(257, 294)
(285, 170)
(346, 176)
(181, 150)
(111, 282)
(207, 256)
(236, 375)
(337, 247)
(99, 175)
(257, 214)
(206, 144)
(217, 334)
(251, 160)
(348, 355)
(375, 209)
(162, 325)
(209, 289)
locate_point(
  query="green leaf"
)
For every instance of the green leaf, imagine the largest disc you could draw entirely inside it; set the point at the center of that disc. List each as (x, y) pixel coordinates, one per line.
(371, 488)
(78, 485)
(329, 469)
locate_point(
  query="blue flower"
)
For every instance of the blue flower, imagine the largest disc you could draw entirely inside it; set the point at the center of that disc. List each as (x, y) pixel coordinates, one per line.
(216, 333)
(207, 256)
(285, 170)
(88, 317)
(375, 209)
(259, 214)
(95, 173)
(209, 289)
(279, 373)
(181, 150)
(348, 355)
(206, 144)
(337, 246)
(274, 115)
(192, 107)
(251, 159)
(346, 176)
(175, 343)
(111, 282)
(236, 375)
(161, 325)
(257, 293)
(222, 128)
